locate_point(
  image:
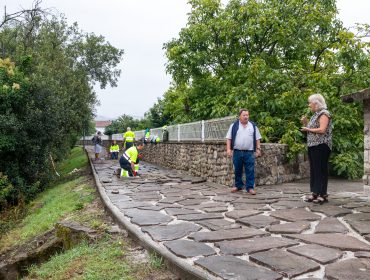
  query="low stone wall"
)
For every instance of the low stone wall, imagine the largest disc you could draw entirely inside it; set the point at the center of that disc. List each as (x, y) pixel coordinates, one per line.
(209, 160)
(367, 142)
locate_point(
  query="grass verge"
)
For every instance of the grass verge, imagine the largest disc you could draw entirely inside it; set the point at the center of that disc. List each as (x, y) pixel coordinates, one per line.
(55, 203)
(107, 259)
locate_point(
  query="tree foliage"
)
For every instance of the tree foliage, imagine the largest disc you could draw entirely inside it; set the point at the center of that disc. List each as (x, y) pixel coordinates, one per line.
(269, 56)
(154, 117)
(120, 125)
(47, 73)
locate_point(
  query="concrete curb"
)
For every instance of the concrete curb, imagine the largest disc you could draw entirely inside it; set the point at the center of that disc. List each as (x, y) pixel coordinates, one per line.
(177, 265)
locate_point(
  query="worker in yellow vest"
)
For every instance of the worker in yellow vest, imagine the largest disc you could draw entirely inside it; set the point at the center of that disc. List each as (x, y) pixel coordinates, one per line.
(147, 136)
(128, 139)
(129, 158)
(114, 150)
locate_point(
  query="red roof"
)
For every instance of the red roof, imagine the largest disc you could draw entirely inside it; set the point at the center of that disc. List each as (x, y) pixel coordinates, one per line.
(102, 123)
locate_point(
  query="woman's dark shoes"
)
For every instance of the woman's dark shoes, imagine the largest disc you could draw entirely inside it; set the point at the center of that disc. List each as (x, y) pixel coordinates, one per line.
(310, 198)
(321, 200)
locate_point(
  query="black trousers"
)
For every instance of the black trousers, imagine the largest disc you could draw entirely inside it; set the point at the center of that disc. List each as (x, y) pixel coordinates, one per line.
(319, 158)
(126, 165)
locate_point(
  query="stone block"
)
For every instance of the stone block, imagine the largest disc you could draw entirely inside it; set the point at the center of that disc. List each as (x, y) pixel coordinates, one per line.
(367, 116)
(231, 234)
(170, 232)
(366, 180)
(336, 240)
(189, 249)
(330, 225)
(296, 227)
(250, 246)
(366, 155)
(367, 142)
(229, 267)
(349, 269)
(317, 253)
(288, 264)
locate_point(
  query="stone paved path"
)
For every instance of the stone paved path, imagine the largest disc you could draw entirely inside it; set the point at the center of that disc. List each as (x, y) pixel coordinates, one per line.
(214, 234)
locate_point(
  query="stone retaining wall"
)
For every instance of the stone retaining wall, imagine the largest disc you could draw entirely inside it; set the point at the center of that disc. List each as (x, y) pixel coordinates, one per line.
(367, 142)
(209, 160)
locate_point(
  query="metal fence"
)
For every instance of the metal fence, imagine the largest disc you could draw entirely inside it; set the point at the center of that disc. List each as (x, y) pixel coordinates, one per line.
(210, 130)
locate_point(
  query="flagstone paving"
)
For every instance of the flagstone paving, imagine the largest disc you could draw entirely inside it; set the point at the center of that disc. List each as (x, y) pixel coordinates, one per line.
(296, 227)
(209, 233)
(330, 225)
(284, 262)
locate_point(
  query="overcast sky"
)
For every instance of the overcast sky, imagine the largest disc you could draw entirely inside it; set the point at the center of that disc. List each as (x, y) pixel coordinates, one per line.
(140, 27)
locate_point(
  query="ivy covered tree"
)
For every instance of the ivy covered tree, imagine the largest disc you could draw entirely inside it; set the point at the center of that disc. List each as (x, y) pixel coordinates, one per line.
(47, 72)
(269, 56)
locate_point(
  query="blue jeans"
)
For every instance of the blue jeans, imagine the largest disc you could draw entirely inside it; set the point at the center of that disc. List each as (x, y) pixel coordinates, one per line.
(243, 159)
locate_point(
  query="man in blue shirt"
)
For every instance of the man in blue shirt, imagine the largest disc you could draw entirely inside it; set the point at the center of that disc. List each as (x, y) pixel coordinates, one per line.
(244, 145)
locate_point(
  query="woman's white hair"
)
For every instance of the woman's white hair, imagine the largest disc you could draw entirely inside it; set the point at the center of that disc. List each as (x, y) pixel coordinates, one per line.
(319, 100)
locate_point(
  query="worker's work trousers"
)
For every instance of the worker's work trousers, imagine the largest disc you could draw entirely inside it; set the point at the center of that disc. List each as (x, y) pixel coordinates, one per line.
(126, 165)
(114, 155)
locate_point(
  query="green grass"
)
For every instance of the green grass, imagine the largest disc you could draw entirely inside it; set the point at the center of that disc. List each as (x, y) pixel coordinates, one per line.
(53, 204)
(103, 260)
(107, 259)
(76, 160)
(50, 207)
(156, 261)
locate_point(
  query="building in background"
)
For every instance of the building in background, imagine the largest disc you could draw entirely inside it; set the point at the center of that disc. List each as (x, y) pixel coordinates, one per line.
(101, 125)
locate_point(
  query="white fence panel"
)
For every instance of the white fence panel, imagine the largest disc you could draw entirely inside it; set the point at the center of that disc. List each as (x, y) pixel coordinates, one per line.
(216, 129)
(156, 132)
(172, 133)
(118, 136)
(191, 131)
(139, 134)
(210, 130)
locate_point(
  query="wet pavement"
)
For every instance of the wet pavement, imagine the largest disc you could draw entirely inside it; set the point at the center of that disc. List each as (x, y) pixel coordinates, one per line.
(209, 233)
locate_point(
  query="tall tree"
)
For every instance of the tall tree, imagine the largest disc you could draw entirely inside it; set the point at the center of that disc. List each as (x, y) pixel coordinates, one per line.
(47, 73)
(269, 56)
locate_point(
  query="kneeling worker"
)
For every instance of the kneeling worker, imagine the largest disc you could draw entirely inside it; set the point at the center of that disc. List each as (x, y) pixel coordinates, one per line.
(129, 158)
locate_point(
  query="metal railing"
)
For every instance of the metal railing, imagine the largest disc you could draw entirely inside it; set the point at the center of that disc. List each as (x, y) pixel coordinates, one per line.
(210, 130)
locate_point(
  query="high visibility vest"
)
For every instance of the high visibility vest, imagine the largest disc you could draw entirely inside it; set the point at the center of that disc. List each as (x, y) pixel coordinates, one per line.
(114, 148)
(129, 136)
(131, 154)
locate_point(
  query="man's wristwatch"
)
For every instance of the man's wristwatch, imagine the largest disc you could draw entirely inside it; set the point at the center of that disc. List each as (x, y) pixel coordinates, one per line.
(259, 149)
